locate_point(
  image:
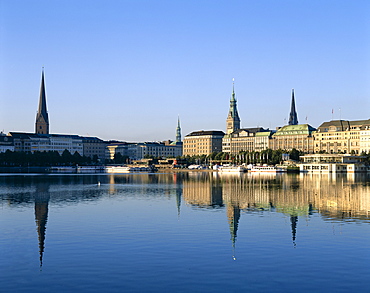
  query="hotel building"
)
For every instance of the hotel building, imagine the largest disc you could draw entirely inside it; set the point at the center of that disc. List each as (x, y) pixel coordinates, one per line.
(203, 142)
(343, 136)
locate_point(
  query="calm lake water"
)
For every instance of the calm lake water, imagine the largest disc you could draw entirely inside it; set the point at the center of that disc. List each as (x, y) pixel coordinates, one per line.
(184, 232)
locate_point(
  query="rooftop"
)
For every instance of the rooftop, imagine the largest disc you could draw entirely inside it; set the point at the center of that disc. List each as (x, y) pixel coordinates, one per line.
(299, 129)
(208, 132)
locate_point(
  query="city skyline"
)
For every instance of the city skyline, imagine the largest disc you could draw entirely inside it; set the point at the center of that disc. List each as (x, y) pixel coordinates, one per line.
(131, 74)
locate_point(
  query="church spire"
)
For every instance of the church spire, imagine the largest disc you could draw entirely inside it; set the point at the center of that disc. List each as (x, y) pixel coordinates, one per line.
(293, 118)
(42, 118)
(233, 120)
(178, 130)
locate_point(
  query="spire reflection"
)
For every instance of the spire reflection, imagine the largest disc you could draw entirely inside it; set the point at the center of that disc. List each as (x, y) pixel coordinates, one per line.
(294, 221)
(42, 197)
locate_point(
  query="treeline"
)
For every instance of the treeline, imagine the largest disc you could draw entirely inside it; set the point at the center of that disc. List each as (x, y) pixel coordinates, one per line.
(45, 159)
(268, 156)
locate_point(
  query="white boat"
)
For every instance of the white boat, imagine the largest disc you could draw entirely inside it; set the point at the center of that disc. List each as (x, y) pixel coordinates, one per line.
(267, 169)
(63, 169)
(77, 169)
(232, 169)
(89, 169)
(195, 167)
(126, 169)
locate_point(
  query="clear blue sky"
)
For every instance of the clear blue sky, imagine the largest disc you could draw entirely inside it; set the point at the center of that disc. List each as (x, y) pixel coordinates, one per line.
(126, 69)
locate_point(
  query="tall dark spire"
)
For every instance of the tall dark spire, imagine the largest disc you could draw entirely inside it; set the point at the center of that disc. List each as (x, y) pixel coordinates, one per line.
(42, 117)
(178, 131)
(293, 118)
(233, 120)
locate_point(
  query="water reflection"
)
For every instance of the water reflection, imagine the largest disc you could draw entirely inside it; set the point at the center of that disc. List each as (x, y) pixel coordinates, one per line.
(334, 198)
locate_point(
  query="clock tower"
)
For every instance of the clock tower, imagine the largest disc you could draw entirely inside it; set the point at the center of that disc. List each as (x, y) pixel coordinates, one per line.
(233, 120)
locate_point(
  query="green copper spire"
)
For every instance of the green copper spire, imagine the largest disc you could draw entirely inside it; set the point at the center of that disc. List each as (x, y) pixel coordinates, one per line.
(178, 130)
(233, 120)
(233, 94)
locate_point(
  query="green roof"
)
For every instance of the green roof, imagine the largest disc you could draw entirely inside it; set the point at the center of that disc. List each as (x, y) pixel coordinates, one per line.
(263, 133)
(300, 129)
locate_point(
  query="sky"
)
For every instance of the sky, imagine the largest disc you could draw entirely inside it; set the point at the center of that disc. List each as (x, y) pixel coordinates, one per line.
(126, 70)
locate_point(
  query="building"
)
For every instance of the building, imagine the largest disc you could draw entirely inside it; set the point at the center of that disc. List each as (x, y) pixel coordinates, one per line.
(299, 137)
(162, 150)
(203, 142)
(6, 143)
(262, 140)
(94, 147)
(31, 142)
(332, 163)
(246, 139)
(294, 135)
(115, 147)
(365, 138)
(233, 120)
(42, 140)
(42, 117)
(139, 151)
(342, 136)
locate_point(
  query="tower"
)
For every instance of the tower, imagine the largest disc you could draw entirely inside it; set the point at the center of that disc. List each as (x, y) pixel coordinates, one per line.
(42, 118)
(293, 118)
(233, 120)
(178, 131)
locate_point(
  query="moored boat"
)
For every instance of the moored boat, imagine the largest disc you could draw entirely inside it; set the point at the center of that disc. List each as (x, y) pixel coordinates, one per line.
(89, 169)
(267, 169)
(126, 169)
(232, 169)
(63, 169)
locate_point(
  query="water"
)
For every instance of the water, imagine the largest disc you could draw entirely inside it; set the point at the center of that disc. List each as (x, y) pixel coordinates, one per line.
(184, 232)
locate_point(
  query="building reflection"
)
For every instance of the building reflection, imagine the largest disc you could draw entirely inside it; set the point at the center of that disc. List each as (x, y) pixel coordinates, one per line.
(202, 190)
(340, 197)
(334, 198)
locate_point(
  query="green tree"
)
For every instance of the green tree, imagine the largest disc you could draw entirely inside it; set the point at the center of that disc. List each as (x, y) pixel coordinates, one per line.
(118, 158)
(294, 154)
(66, 158)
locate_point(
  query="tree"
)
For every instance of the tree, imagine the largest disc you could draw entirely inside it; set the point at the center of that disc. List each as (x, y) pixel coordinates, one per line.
(119, 158)
(95, 159)
(77, 158)
(294, 154)
(66, 157)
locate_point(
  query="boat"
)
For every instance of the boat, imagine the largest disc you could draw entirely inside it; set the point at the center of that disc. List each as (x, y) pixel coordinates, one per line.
(89, 169)
(63, 169)
(195, 167)
(267, 169)
(231, 169)
(76, 169)
(127, 169)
